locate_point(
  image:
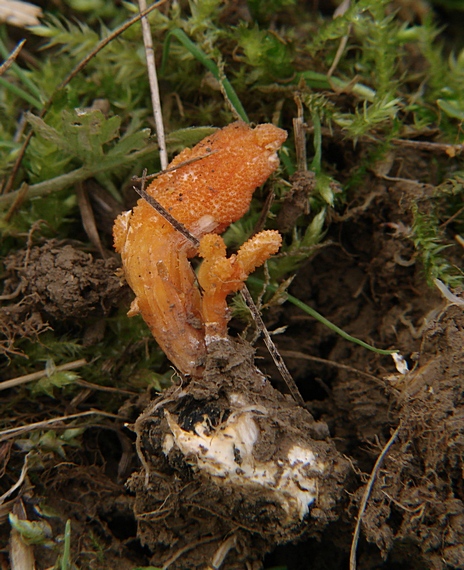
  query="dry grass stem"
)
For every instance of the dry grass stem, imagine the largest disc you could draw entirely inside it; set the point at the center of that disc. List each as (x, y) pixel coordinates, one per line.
(150, 177)
(18, 483)
(13, 432)
(37, 375)
(11, 58)
(154, 89)
(303, 356)
(276, 357)
(101, 388)
(366, 495)
(88, 218)
(167, 216)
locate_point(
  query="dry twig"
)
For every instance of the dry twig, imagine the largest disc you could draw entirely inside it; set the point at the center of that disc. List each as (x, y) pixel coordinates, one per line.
(153, 82)
(303, 356)
(11, 58)
(13, 432)
(37, 375)
(276, 357)
(366, 495)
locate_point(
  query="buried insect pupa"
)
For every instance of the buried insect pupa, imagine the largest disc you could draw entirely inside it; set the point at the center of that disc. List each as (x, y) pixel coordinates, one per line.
(230, 466)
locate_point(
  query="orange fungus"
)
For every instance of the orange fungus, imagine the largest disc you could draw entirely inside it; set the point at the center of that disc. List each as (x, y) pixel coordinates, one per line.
(206, 196)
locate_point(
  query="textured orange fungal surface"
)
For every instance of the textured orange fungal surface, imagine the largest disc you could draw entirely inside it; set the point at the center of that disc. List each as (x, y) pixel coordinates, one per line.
(206, 196)
(220, 275)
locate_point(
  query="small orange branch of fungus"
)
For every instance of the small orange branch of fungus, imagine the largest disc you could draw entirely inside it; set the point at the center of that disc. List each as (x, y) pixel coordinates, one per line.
(219, 276)
(206, 196)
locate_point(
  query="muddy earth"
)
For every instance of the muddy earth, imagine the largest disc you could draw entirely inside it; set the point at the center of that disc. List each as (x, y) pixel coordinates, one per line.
(54, 282)
(231, 468)
(140, 491)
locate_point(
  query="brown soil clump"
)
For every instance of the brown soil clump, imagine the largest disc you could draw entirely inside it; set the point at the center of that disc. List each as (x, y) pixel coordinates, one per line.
(418, 498)
(63, 281)
(231, 468)
(52, 282)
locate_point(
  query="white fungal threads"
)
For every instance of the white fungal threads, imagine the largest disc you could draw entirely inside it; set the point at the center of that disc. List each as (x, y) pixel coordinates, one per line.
(227, 454)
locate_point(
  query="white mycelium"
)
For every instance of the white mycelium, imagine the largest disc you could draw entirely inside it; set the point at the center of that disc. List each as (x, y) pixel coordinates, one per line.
(226, 453)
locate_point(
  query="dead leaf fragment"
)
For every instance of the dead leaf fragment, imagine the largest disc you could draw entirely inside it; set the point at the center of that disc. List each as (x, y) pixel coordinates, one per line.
(19, 14)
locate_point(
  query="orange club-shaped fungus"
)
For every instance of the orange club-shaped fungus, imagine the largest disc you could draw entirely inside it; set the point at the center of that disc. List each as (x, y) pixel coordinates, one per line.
(206, 196)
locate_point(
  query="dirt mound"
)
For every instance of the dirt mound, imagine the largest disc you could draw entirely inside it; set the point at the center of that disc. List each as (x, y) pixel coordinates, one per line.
(231, 468)
(418, 496)
(51, 282)
(63, 281)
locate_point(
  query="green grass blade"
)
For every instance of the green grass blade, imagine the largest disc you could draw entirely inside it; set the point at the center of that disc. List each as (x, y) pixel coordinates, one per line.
(23, 77)
(310, 311)
(66, 558)
(200, 55)
(321, 81)
(21, 93)
(287, 162)
(316, 164)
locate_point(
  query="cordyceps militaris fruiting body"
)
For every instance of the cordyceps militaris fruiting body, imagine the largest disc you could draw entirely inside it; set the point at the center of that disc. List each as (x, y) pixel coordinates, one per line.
(206, 196)
(230, 466)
